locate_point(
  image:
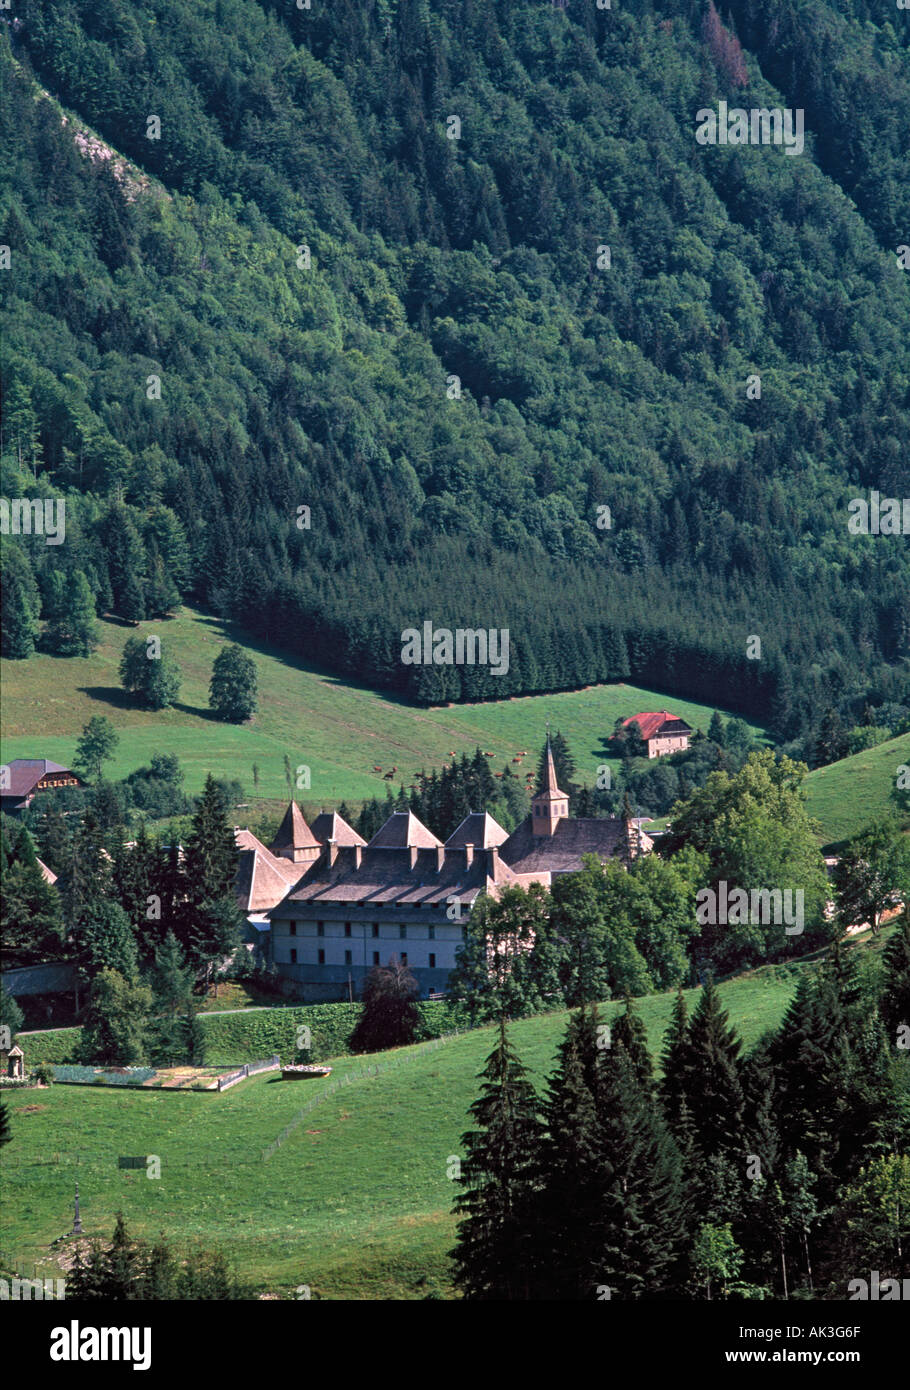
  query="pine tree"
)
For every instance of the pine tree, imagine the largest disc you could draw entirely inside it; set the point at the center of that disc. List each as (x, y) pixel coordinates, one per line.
(675, 1065)
(564, 1266)
(717, 732)
(629, 1032)
(640, 1232)
(711, 1080)
(210, 853)
(493, 1250)
(895, 1001)
(19, 604)
(126, 562)
(70, 609)
(173, 979)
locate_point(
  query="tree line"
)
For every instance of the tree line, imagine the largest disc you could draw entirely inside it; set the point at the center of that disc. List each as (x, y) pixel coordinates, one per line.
(779, 1173)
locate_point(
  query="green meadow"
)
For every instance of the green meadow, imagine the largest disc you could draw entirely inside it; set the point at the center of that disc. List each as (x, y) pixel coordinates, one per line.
(341, 731)
(356, 1203)
(847, 795)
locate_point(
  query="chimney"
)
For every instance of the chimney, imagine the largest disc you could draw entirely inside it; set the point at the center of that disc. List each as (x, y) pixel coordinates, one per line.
(468, 856)
(333, 852)
(440, 857)
(358, 854)
(493, 861)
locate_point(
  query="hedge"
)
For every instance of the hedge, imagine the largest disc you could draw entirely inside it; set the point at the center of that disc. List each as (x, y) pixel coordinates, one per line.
(50, 1045)
(257, 1033)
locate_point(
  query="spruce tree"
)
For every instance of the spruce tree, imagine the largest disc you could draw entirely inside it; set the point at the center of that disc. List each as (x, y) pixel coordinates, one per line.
(71, 630)
(568, 1202)
(895, 1001)
(711, 1081)
(19, 604)
(640, 1230)
(498, 1175)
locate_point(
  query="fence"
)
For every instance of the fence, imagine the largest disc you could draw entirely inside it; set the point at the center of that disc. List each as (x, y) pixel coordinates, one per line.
(392, 1065)
(248, 1069)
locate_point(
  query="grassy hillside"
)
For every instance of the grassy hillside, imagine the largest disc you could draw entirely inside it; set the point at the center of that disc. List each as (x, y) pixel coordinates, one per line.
(846, 795)
(356, 1202)
(338, 729)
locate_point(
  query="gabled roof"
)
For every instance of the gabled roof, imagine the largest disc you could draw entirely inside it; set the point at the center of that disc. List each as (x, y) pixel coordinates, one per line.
(479, 829)
(387, 878)
(403, 830)
(330, 826)
(653, 723)
(26, 773)
(572, 837)
(293, 832)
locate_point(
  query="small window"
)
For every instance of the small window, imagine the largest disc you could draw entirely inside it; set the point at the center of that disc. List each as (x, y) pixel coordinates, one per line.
(347, 929)
(321, 957)
(403, 932)
(375, 928)
(432, 933)
(347, 957)
(432, 961)
(293, 926)
(320, 928)
(375, 957)
(293, 956)
(404, 957)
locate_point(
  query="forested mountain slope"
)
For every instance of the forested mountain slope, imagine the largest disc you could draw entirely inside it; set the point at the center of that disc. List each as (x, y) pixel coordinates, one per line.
(330, 385)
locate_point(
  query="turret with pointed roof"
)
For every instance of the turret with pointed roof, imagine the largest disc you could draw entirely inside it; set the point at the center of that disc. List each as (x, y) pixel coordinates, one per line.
(403, 830)
(549, 804)
(294, 839)
(328, 825)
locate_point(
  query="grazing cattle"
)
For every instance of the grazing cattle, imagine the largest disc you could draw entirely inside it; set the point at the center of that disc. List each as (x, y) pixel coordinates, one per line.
(387, 776)
(516, 760)
(377, 769)
(489, 755)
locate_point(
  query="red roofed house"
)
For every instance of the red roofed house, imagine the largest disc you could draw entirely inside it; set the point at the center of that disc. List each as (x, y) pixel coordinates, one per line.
(22, 778)
(662, 732)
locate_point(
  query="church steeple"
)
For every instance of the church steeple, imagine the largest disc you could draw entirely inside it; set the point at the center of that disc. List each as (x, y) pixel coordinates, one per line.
(550, 804)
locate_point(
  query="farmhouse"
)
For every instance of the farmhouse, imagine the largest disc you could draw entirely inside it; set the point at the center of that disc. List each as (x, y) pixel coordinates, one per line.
(662, 732)
(408, 894)
(24, 778)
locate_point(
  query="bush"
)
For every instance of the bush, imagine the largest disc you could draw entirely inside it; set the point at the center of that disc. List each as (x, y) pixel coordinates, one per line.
(44, 1072)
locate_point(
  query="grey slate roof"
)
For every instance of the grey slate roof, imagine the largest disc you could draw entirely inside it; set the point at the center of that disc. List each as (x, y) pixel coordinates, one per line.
(561, 853)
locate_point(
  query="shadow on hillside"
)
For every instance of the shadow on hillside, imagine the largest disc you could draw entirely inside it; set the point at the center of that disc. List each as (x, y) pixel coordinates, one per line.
(110, 694)
(230, 631)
